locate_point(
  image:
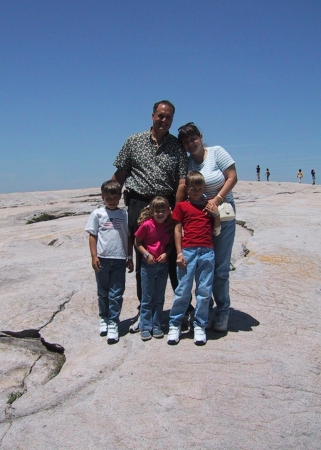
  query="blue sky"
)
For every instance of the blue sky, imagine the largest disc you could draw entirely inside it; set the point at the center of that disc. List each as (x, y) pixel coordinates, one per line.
(79, 76)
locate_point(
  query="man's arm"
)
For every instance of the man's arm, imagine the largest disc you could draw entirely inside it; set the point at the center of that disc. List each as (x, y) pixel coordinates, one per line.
(181, 191)
(130, 264)
(120, 176)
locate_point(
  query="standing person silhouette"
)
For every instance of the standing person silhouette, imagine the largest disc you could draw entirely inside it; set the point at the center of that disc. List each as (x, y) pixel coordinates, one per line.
(267, 173)
(313, 176)
(300, 175)
(258, 170)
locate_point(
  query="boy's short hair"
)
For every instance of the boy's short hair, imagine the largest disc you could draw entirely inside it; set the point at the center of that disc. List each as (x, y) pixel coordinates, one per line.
(194, 177)
(111, 187)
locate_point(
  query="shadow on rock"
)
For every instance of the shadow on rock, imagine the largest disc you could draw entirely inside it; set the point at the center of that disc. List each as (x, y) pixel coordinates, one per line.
(238, 321)
(241, 321)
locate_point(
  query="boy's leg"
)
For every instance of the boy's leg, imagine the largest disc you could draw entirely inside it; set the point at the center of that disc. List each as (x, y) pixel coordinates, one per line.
(159, 294)
(148, 272)
(204, 276)
(184, 288)
(116, 288)
(102, 279)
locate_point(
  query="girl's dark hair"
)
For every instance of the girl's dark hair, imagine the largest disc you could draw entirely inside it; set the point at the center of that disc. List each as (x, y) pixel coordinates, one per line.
(189, 129)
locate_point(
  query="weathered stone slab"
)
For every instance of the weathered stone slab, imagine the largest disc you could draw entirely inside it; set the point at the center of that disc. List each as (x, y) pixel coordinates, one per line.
(257, 386)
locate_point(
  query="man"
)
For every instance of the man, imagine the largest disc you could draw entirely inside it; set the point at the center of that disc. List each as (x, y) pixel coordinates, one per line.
(152, 163)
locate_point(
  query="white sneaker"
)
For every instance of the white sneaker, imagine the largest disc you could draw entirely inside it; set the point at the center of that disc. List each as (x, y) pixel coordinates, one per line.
(103, 327)
(173, 335)
(134, 328)
(199, 335)
(112, 334)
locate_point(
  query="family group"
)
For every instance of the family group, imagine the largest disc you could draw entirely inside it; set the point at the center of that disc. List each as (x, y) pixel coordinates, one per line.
(173, 189)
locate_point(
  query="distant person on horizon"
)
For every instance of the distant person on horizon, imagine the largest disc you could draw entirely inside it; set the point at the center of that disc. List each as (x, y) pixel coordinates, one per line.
(152, 163)
(313, 176)
(258, 170)
(267, 173)
(111, 252)
(300, 175)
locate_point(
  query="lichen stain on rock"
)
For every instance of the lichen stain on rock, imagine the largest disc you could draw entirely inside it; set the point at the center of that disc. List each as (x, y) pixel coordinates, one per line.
(302, 267)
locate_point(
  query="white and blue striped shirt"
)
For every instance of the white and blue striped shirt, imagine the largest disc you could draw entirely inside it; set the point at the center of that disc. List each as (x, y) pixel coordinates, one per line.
(216, 161)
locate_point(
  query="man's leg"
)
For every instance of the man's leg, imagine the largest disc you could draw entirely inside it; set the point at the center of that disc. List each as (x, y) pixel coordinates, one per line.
(134, 209)
(159, 294)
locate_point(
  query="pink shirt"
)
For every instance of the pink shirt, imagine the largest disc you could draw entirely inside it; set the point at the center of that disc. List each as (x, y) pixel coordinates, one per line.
(155, 236)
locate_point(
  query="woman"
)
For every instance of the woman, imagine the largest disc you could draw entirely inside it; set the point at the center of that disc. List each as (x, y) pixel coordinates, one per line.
(218, 169)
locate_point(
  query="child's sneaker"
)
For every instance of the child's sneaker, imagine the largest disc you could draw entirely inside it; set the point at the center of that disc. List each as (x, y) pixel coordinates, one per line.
(221, 322)
(173, 335)
(157, 333)
(103, 327)
(112, 333)
(199, 335)
(134, 328)
(145, 335)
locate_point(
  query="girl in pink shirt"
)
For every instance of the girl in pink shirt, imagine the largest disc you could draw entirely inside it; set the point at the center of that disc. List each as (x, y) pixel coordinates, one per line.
(154, 240)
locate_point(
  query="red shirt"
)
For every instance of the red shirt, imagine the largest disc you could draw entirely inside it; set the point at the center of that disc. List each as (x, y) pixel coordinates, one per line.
(197, 226)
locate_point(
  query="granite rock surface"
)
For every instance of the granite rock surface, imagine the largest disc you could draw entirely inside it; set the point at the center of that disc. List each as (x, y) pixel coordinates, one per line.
(256, 386)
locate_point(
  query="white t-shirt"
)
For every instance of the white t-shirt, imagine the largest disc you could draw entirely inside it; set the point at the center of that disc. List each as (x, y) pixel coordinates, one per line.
(111, 227)
(216, 161)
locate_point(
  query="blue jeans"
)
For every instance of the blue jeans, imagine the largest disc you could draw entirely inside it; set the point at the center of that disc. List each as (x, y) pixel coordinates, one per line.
(199, 264)
(154, 280)
(223, 244)
(110, 287)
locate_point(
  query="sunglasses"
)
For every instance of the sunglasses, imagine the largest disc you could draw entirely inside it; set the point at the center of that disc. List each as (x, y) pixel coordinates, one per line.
(192, 124)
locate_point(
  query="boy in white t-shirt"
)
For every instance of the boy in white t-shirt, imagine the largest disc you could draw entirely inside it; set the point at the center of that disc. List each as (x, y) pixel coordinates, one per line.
(111, 251)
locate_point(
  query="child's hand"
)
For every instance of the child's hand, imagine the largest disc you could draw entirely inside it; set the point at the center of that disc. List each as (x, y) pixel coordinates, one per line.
(180, 261)
(130, 265)
(162, 258)
(150, 259)
(211, 207)
(95, 263)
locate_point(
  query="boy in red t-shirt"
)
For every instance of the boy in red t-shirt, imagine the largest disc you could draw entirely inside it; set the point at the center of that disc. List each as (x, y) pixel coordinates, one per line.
(196, 221)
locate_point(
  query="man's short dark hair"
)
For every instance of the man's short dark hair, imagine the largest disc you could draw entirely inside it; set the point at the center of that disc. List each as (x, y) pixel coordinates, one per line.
(164, 102)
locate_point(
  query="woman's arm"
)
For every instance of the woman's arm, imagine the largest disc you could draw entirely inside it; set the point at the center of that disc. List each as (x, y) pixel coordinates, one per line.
(230, 176)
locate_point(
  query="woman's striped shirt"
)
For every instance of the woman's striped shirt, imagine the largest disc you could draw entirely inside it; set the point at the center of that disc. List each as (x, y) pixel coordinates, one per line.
(216, 161)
